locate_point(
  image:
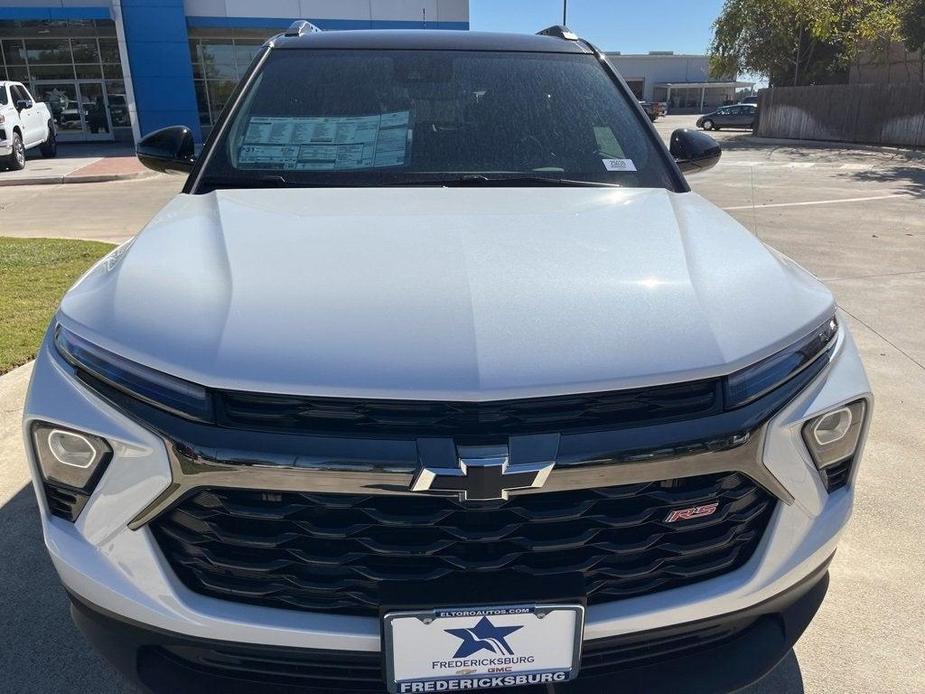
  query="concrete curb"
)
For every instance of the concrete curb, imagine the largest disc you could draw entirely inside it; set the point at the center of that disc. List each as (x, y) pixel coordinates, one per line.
(58, 180)
(822, 144)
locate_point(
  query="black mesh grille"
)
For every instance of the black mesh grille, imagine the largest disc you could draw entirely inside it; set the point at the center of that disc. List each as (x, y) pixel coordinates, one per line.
(836, 476)
(65, 503)
(342, 553)
(607, 410)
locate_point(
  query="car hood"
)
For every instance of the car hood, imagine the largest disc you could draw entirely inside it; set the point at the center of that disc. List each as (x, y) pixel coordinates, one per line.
(450, 293)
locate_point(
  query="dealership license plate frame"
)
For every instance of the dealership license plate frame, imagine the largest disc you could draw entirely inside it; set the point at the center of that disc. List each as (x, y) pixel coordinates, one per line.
(433, 617)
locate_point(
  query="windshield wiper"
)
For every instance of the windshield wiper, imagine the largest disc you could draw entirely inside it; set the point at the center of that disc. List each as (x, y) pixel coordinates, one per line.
(481, 180)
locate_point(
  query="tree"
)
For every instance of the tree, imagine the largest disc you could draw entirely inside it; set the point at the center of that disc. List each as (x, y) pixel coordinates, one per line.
(810, 41)
(788, 41)
(912, 28)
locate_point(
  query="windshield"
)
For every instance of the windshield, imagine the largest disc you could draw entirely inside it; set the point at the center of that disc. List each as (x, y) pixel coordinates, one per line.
(392, 117)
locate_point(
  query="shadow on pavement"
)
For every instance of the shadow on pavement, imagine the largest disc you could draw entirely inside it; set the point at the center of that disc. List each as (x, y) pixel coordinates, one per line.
(786, 678)
(908, 178)
(41, 650)
(84, 150)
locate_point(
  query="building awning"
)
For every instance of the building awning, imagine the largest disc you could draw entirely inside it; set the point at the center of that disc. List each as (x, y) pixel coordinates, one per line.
(699, 85)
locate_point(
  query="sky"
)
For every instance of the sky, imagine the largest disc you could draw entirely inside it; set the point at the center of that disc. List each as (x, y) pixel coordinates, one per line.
(629, 26)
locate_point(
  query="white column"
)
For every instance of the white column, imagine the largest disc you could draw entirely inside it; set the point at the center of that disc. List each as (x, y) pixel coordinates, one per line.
(703, 91)
(126, 69)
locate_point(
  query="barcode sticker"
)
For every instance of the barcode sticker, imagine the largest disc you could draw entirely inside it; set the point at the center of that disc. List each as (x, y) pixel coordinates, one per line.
(619, 164)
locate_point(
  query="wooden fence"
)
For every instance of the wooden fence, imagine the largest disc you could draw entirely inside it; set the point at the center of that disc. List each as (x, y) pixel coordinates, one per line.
(882, 114)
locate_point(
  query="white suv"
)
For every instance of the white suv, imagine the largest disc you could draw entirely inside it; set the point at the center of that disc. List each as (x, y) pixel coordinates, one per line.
(24, 124)
(438, 377)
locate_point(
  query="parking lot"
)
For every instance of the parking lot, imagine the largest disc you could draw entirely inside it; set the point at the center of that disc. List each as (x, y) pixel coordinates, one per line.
(853, 216)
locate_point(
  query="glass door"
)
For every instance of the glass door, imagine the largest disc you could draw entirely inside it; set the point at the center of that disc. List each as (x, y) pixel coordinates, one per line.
(61, 99)
(94, 108)
(80, 109)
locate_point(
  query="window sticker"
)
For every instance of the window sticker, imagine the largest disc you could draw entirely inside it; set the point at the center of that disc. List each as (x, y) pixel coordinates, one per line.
(619, 164)
(327, 143)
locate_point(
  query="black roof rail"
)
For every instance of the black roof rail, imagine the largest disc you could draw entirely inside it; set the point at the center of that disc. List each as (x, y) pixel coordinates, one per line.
(559, 32)
(301, 26)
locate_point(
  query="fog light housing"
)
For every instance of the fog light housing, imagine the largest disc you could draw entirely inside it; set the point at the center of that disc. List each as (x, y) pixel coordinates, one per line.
(832, 437)
(71, 463)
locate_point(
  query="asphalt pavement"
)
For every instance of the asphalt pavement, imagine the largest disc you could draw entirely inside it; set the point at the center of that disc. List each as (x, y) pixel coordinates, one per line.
(853, 216)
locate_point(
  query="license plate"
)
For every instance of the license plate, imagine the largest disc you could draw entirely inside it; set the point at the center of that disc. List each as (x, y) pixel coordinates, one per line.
(468, 648)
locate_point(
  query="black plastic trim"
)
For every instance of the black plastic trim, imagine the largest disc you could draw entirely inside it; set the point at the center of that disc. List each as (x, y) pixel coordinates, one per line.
(759, 637)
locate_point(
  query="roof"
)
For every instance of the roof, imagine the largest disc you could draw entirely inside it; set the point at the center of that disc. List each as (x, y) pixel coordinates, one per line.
(654, 55)
(423, 39)
(698, 85)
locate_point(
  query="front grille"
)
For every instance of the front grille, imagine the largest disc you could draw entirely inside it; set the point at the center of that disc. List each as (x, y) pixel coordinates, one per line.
(351, 554)
(567, 413)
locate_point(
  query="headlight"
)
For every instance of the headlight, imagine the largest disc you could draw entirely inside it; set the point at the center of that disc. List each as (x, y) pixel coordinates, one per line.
(158, 389)
(752, 382)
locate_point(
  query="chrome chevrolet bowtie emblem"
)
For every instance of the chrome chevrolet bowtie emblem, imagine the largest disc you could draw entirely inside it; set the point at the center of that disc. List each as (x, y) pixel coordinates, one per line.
(485, 477)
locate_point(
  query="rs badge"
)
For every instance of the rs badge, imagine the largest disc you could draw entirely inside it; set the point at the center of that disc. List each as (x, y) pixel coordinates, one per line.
(683, 514)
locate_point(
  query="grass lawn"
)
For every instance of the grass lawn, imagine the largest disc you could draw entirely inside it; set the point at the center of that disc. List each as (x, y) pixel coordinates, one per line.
(34, 274)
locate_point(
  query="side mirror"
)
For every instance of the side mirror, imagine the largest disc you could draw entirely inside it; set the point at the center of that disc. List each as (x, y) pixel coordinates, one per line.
(168, 150)
(23, 104)
(693, 150)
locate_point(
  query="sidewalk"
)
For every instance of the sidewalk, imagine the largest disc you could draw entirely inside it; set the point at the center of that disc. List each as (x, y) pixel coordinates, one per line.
(78, 163)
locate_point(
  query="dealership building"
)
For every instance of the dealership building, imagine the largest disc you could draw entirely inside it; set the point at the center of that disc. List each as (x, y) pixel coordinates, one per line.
(683, 81)
(118, 69)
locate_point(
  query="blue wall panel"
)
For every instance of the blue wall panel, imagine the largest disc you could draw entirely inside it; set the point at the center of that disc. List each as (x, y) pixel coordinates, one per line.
(162, 74)
(54, 13)
(326, 24)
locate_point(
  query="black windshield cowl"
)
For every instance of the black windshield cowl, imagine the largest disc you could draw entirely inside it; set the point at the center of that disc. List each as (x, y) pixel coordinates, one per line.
(501, 181)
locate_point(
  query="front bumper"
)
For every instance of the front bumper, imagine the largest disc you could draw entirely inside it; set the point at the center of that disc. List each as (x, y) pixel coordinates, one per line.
(122, 571)
(748, 643)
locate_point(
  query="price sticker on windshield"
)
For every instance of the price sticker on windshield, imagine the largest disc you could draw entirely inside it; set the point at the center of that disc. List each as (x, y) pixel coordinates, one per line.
(619, 164)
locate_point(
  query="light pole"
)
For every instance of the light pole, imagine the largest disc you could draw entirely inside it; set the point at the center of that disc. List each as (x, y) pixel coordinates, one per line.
(565, 13)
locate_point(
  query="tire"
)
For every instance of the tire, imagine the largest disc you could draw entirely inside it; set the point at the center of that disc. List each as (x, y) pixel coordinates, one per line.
(17, 160)
(708, 124)
(49, 148)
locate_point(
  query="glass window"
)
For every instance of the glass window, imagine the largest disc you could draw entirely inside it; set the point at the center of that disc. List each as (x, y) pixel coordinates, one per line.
(202, 100)
(89, 72)
(17, 74)
(85, 51)
(244, 52)
(13, 52)
(51, 72)
(4, 99)
(412, 117)
(118, 104)
(194, 51)
(42, 51)
(109, 51)
(80, 27)
(112, 72)
(104, 27)
(219, 93)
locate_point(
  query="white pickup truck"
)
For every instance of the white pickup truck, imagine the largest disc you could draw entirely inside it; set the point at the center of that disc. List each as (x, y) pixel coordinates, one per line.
(24, 124)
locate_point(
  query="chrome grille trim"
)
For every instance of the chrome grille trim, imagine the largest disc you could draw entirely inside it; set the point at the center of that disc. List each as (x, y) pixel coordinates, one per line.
(190, 471)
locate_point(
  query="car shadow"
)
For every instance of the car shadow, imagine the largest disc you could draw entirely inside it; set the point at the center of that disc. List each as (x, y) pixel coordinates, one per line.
(786, 678)
(40, 648)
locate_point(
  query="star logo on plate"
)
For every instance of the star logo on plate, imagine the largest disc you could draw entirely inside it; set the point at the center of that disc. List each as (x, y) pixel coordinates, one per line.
(484, 636)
